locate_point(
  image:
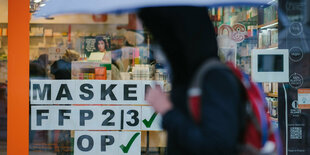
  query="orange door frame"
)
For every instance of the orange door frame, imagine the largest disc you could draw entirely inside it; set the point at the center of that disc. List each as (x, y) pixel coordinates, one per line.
(18, 77)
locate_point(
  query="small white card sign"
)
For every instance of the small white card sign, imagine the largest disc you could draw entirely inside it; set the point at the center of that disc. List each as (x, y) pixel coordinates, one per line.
(107, 143)
(304, 98)
(56, 53)
(96, 56)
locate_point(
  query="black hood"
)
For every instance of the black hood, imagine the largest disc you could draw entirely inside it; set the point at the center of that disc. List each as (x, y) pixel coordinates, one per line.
(185, 34)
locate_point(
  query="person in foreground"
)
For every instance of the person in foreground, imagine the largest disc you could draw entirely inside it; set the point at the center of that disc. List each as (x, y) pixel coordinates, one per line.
(187, 38)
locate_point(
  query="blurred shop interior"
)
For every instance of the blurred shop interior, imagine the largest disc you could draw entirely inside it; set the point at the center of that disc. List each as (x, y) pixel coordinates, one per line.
(66, 47)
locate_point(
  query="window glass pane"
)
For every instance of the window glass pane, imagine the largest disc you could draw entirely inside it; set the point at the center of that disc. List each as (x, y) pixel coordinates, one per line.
(89, 75)
(243, 29)
(3, 73)
(104, 59)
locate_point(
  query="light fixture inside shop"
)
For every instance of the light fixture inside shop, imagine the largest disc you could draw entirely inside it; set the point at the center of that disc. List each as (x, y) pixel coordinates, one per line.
(269, 26)
(37, 1)
(41, 5)
(272, 2)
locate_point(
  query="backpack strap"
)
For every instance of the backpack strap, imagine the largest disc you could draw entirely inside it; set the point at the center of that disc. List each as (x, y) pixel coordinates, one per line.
(194, 92)
(255, 101)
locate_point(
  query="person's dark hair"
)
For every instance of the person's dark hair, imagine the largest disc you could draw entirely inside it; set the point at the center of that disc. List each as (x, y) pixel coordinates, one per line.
(43, 60)
(61, 69)
(37, 70)
(38, 67)
(186, 35)
(105, 39)
(100, 38)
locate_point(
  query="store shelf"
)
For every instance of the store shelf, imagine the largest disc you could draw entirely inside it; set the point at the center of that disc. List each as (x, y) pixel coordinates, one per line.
(273, 23)
(45, 36)
(35, 36)
(274, 119)
(245, 57)
(272, 95)
(275, 46)
(251, 38)
(41, 46)
(252, 19)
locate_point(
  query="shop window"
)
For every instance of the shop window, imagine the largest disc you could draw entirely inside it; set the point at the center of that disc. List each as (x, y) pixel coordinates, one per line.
(97, 53)
(105, 64)
(86, 66)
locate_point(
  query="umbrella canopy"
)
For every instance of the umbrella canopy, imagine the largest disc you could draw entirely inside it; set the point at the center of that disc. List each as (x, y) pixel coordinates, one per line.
(54, 7)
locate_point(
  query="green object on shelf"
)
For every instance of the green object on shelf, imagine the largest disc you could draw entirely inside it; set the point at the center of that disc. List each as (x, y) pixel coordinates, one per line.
(108, 66)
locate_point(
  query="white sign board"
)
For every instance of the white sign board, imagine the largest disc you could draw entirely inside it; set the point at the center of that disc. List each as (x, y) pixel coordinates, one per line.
(89, 91)
(94, 118)
(107, 143)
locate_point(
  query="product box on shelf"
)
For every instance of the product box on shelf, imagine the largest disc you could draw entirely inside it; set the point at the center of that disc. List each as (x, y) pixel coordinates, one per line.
(3, 72)
(274, 36)
(100, 73)
(268, 38)
(84, 70)
(270, 14)
(4, 32)
(272, 106)
(36, 31)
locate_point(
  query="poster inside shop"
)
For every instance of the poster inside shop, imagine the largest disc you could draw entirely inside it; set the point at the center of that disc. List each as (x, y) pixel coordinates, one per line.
(294, 117)
(228, 38)
(100, 43)
(107, 143)
(304, 98)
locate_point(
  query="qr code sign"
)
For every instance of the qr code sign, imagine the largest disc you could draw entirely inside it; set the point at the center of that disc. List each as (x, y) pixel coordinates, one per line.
(295, 133)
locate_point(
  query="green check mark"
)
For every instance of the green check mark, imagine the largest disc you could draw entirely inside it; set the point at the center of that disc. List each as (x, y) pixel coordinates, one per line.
(126, 148)
(149, 123)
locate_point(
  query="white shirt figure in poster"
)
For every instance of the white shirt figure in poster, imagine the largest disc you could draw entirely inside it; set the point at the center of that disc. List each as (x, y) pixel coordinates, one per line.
(102, 44)
(228, 38)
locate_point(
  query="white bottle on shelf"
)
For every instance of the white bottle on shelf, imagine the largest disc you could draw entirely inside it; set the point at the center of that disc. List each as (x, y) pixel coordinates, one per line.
(134, 73)
(147, 72)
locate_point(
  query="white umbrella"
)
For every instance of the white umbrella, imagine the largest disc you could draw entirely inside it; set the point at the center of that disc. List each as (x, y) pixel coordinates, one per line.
(54, 7)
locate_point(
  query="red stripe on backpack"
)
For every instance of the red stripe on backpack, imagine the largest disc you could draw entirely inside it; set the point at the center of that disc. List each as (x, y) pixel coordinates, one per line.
(259, 136)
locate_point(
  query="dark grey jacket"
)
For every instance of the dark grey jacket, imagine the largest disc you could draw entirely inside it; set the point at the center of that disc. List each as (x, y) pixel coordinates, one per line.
(187, 38)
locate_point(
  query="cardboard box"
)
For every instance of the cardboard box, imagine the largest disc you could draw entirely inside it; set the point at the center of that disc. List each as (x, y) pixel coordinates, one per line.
(87, 70)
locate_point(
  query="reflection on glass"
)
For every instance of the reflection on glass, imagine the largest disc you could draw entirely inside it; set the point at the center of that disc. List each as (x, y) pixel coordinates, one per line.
(116, 47)
(270, 63)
